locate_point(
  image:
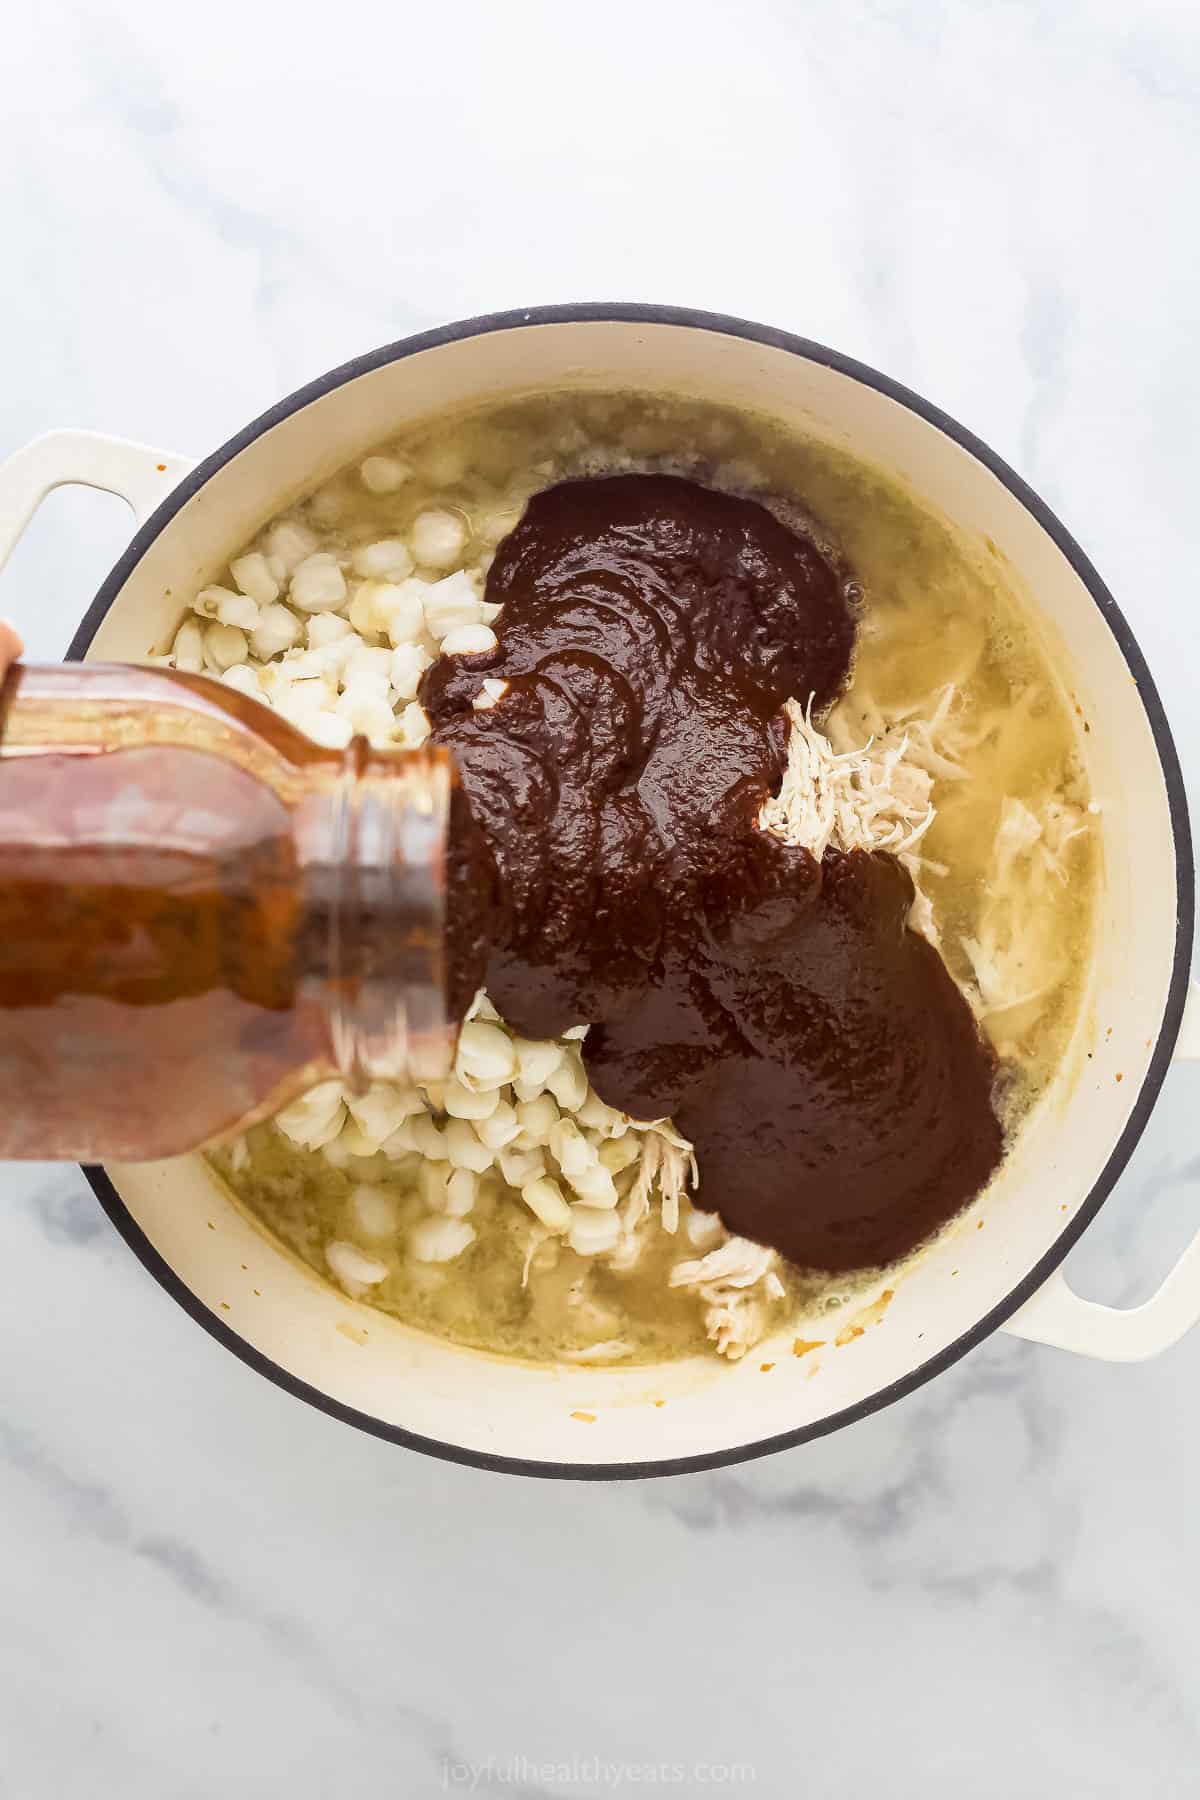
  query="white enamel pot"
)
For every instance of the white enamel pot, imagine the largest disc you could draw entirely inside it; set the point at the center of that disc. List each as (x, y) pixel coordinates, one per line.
(998, 1268)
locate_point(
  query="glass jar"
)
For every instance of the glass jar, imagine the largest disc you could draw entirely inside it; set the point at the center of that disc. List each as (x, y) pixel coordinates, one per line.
(202, 913)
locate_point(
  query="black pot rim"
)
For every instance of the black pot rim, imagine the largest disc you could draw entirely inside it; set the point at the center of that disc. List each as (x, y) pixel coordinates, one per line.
(621, 313)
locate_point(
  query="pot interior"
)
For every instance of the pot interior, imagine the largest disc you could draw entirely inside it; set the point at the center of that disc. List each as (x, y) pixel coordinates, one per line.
(400, 1381)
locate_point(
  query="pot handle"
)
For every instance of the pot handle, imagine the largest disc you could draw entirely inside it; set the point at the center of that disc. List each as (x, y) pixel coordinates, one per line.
(134, 472)
(1057, 1315)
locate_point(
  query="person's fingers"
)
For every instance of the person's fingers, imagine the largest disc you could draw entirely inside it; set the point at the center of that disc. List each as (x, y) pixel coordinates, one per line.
(10, 645)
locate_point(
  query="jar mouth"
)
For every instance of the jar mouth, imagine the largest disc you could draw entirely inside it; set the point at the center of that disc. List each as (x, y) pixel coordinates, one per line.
(383, 870)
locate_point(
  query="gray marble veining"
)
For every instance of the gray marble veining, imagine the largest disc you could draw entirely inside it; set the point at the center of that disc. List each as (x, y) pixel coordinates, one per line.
(987, 1590)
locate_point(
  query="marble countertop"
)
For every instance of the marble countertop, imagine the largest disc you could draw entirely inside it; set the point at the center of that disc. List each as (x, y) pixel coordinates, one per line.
(988, 1590)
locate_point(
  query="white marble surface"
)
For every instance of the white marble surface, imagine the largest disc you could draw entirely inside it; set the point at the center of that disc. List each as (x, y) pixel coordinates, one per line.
(989, 1590)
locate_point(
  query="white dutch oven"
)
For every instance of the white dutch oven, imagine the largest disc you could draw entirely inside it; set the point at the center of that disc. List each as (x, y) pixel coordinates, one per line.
(998, 1267)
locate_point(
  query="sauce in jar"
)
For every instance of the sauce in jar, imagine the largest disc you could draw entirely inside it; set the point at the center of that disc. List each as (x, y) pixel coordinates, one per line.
(201, 912)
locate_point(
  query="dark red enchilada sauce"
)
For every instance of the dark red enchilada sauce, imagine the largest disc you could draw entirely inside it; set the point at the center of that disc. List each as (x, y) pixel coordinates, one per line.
(607, 868)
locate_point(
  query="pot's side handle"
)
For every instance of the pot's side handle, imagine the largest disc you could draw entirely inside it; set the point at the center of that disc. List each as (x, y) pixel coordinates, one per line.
(136, 473)
(1057, 1315)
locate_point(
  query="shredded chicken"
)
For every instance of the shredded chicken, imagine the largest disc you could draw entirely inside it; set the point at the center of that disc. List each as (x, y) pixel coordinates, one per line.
(1016, 835)
(538, 1235)
(935, 745)
(868, 798)
(737, 1263)
(1013, 961)
(667, 1162)
(1000, 971)
(876, 796)
(1061, 824)
(610, 1350)
(735, 1323)
(736, 1283)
